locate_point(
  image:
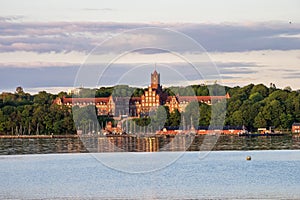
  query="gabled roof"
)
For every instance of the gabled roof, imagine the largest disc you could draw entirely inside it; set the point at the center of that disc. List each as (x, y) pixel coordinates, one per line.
(135, 98)
(296, 124)
(85, 100)
(200, 98)
(220, 128)
(155, 72)
(98, 99)
(169, 99)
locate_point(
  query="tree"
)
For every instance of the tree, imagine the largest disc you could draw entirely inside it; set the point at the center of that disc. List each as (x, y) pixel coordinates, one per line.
(260, 121)
(192, 114)
(205, 114)
(216, 90)
(159, 118)
(237, 118)
(288, 88)
(84, 116)
(43, 98)
(286, 121)
(19, 90)
(2, 122)
(62, 94)
(256, 97)
(175, 118)
(261, 89)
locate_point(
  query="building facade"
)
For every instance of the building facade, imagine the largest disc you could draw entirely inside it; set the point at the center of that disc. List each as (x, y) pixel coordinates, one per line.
(296, 128)
(153, 97)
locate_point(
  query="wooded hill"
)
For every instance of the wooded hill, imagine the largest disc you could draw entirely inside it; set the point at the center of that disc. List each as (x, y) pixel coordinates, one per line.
(253, 106)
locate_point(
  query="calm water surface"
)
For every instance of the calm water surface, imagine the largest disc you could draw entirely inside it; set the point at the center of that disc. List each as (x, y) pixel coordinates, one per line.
(143, 144)
(218, 175)
(61, 168)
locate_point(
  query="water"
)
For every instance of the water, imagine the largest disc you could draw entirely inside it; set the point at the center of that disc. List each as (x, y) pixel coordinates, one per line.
(143, 144)
(41, 146)
(218, 175)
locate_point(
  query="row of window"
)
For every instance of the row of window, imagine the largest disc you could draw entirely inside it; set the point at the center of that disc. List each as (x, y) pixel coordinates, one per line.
(150, 100)
(87, 103)
(150, 104)
(151, 94)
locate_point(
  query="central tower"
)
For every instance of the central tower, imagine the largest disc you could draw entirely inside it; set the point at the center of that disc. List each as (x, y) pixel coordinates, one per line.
(155, 80)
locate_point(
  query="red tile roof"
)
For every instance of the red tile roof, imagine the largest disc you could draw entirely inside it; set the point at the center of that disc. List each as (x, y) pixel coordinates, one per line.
(85, 100)
(200, 98)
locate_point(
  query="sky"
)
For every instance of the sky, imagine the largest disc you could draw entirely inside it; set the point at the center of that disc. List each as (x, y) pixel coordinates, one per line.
(50, 45)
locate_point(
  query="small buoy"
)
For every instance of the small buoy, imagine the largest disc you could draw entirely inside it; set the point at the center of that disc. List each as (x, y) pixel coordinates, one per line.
(248, 158)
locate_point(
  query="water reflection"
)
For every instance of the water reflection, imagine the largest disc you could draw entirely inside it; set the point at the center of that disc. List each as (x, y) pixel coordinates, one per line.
(40, 145)
(142, 144)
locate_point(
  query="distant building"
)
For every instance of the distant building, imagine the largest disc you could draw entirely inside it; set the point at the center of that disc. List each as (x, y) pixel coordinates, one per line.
(202, 130)
(296, 127)
(152, 98)
(75, 91)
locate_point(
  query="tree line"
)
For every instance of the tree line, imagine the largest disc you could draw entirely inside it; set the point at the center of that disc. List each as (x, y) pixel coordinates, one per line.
(25, 114)
(253, 106)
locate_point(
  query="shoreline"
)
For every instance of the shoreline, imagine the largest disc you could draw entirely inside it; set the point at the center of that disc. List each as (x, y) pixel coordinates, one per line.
(36, 136)
(130, 135)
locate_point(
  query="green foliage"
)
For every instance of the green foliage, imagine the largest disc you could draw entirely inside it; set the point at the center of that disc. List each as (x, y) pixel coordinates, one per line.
(181, 91)
(21, 113)
(216, 90)
(103, 120)
(258, 106)
(260, 89)
(104, 92)
(145, 121)
(174, 118)
(119, 91)
(126, 91)
(205, 114)
(192, 114)
(256, 97)
(84, 116)
(43, 98)
(253, 106)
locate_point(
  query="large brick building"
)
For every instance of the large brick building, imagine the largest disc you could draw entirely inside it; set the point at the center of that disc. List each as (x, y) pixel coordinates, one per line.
(139, 106)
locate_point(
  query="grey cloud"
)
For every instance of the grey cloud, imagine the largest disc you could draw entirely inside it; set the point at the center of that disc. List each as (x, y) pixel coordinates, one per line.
(64, 75)
(150, 51)
(238, 71)
(83, 36)
(46, 44)
(10, 18)
(231, 38)
(292, 75)
(223, 77)
(57, 36)
(37, 77)
(237, 68)
(225, 65)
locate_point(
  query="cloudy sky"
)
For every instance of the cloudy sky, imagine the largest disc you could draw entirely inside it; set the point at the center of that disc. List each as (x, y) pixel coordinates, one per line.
(50, 45)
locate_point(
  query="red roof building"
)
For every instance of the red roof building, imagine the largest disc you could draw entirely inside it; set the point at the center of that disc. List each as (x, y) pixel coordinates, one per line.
(137, 106)
(296, 128)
